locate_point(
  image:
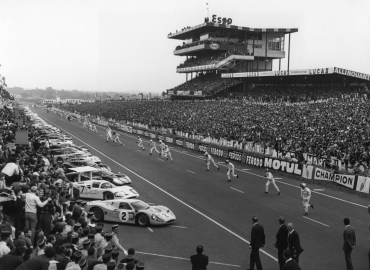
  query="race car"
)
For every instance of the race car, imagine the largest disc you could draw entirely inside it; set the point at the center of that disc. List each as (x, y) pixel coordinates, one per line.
(103, 190)
(60, 155)
(131, 211)
(103, 172)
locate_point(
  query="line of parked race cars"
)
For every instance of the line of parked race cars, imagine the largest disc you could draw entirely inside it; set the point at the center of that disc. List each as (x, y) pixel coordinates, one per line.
(113, 198)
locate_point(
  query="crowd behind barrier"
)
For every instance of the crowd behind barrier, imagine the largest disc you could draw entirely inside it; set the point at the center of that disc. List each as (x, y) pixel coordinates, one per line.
(209, 83)
(329, 168)
(43, 223)
(211, 41)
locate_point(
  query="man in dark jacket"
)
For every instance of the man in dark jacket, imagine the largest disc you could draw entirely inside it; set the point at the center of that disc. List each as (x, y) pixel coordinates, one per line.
(294, 244)
(199, 261)
(289, 263)
(13, 259)
(257, 242)
(61, 258)
(349, 242)
(281, 241)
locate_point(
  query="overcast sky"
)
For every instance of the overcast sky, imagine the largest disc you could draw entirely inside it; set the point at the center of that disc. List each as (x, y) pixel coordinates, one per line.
(121, 45)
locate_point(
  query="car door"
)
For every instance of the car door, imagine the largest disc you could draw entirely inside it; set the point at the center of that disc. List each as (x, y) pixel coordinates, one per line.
(95, 191)
(127, 213)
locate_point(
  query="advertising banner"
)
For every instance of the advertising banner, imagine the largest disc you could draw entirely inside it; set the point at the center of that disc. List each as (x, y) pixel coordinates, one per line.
(134, 130)
(146, 133)
(307, 171)
(179, 142)
(283, 166)
(152, 135)
(169, 139)
(255, 161)
(345, 180)
(202, 147)
(322, 175)
(217, 151)
(139, 132)
(161, 137)
(363, 184)
(235, 155)
(190, 145)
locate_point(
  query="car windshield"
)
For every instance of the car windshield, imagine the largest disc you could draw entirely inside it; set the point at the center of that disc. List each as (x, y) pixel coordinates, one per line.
(139, 205)
(107, 185)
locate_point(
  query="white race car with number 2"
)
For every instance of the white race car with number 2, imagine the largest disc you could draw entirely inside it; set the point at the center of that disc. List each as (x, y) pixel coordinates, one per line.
(131, 211)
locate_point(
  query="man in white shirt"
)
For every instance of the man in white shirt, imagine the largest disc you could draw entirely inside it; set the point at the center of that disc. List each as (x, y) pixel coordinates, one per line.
(10, 170)
(31, 203)
(4, 249)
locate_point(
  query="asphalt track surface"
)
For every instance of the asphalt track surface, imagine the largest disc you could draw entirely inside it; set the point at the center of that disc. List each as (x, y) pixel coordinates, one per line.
(217, 214)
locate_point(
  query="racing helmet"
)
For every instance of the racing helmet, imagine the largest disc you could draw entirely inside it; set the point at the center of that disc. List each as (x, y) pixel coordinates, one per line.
(303, 186)
(160, 141)
(227, 161)
(151, 140)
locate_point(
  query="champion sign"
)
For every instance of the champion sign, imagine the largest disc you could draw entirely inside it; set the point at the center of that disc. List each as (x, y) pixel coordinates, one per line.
(284, 166)
(169, 139)
(341, 179)
(255, 161)
(235, 155)
(190, 145)
(179, 142)
(217, 152)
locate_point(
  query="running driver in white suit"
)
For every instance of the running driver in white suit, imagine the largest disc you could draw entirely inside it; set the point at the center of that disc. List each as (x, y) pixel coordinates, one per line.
(153, 147)
(209, 160)
(109, 134)
(161, 145)
(140, 143)
(270, 180)
(230, 169)
(306, 196)
(167, 153)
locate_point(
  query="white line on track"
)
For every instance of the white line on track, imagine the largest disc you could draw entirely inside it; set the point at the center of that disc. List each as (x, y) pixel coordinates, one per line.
(180, 258)
(190, 171)
(278, 178)
(178, 227)
(247, 170)
(164, 191)
(150, 229)
(138, 150)
(237, 190)
(316, 221)
(160, 159)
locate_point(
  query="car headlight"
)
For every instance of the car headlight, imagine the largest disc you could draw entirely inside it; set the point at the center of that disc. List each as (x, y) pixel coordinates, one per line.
(156, 218)
(119, 194)
(133, 191)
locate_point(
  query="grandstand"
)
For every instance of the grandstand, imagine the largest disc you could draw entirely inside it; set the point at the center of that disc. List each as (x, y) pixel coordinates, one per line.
(214, 48)
(234, 61)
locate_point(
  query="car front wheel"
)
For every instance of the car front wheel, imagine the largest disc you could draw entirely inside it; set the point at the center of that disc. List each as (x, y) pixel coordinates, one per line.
(98, 213)
(142, 220)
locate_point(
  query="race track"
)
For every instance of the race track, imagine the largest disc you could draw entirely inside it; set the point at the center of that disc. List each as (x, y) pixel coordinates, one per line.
(217, 214)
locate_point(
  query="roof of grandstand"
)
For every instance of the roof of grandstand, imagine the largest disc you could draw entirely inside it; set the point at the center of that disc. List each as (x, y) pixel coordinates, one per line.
(190, 32)
(317, 75)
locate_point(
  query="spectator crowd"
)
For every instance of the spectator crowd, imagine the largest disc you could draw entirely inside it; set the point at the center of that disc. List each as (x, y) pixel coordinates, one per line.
(43, 223)
(326, 120)
(209, 59)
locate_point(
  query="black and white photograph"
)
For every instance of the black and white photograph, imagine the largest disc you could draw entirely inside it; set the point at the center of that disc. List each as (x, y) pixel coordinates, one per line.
(164, 135)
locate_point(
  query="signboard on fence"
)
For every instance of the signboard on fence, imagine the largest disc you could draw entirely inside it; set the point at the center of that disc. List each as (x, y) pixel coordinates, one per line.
(217, 151)
(202, 147)
(255, 161)
(190, 145)
(363, 184)
(169, 139)
(283, 166)
(179, 142)
(235, 155)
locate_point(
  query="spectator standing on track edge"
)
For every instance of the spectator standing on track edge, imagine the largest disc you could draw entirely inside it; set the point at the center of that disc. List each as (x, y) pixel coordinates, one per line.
(349, 242)
(257, 242)
(282, 241)
(199, 261)
(294, 243)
